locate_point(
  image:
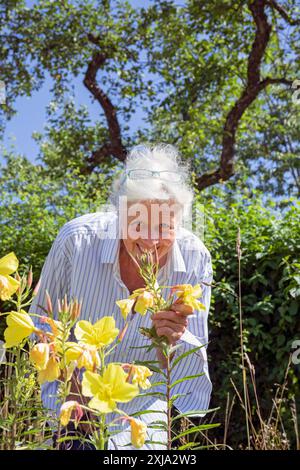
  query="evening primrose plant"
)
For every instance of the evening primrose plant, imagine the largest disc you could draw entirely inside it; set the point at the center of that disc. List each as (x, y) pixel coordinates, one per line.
(52, 356)
(149, 300)
(23, 421)
(75, 354)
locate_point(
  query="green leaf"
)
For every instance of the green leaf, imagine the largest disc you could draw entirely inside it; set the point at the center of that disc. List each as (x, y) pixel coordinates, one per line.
(162, 424)
(193, 413)
(144, 412)
(185, 354)
(152, 394)
(156, 384)
(189, 445)
(188, 377)
(202, 427)
(178, 395)
(151, 366)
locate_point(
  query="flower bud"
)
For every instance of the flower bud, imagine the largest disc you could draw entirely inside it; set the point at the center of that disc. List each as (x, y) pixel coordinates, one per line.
(49, 304)
(29, 278)
(18, 278)
(36, 289)
(74, 310)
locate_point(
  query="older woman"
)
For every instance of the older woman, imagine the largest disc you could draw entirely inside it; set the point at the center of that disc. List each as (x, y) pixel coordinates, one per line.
(93, 259)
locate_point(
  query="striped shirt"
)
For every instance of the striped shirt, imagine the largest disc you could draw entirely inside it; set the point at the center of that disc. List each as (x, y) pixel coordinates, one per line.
(84, 263)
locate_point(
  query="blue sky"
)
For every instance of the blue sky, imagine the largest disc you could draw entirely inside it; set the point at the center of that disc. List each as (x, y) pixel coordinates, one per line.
(31, 111)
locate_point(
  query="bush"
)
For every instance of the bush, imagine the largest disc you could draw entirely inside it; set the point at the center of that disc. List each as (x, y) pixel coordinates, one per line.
(270, 242)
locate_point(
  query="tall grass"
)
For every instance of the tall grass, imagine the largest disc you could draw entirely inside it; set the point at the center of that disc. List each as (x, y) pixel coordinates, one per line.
(262, 432)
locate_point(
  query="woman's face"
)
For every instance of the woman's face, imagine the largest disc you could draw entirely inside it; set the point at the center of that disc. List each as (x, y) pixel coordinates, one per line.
(149, 225)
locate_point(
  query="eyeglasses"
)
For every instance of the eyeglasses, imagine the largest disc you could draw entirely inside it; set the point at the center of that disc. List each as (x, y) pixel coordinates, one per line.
(172, 176)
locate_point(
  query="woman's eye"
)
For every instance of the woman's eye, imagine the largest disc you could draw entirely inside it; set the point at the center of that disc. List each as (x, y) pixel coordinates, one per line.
(164, 226)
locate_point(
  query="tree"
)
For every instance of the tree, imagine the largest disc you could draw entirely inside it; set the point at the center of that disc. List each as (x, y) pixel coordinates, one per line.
(201, 71)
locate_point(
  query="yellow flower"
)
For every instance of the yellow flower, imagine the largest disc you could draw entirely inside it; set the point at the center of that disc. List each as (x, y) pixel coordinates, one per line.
(102, 333)
(138, 432)
(144, 301)
(19, 326)
(39, 355)
(89, 359)
(57, 329)
(187, 295)
(66, 412)
(8, 285)
(70, 369)
(108, 389)
(73, 352)
(140, 376)
(84, 355)
(47, 365)
(125, 306)
(51, 372)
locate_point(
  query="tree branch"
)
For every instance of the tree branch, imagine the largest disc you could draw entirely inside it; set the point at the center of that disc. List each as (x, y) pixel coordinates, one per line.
(114, 147)
(254, 86)
(283, 13)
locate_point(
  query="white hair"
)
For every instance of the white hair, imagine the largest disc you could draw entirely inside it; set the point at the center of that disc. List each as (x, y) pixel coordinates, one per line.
(154, 157)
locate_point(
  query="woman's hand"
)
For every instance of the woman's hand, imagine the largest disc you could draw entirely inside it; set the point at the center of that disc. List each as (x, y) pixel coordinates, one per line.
(172, 323)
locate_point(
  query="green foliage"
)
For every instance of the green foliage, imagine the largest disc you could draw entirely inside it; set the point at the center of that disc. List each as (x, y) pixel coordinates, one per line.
(23, 421)
(68, 138)
(183, 65)
(270, 243)
(271, 160)
(34, 205)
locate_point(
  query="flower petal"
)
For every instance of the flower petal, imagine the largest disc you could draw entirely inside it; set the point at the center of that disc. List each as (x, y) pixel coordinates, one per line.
(138, 432)
(84, 332)
(66, 411)
(39, 355)
(51, 373)
(73, 352)
(8, 264)
(105, 331)
(121, 391)
(144, 301)
(8, 286)
(125, 306)
(19, 326)
(102, 405)
(92, 384)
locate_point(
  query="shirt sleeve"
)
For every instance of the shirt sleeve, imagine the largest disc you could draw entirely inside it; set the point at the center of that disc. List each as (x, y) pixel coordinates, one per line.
(55, 278)
(196, 391)
(197, 330)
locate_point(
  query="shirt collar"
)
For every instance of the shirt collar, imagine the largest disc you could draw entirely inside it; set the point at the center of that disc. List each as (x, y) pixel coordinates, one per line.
(110, 240)
(177, 261)
(109, 250)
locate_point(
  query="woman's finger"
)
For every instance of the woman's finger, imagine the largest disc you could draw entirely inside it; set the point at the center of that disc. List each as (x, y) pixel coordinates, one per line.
(169, 324)
(170, 315)
(170, 334)
(182, 308)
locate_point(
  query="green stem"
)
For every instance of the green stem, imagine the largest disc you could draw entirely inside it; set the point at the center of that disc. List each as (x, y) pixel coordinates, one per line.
(169, 406)
(102, 433)
(65, 388)
(244, 376)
